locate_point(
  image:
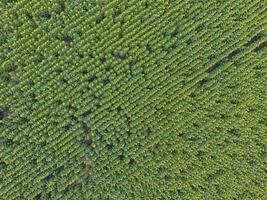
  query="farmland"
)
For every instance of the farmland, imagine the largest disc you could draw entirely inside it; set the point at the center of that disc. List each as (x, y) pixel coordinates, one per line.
(136, 99)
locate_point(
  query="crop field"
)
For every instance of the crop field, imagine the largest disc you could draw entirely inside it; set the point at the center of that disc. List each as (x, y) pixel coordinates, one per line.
(133, 99)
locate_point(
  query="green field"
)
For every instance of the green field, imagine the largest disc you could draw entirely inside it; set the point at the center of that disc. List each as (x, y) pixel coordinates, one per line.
(133, 99)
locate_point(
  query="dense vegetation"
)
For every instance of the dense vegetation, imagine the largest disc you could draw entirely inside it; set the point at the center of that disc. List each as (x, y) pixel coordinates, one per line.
(133, 99)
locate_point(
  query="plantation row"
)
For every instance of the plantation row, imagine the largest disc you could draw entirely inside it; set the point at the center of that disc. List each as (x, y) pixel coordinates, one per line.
(132, 99)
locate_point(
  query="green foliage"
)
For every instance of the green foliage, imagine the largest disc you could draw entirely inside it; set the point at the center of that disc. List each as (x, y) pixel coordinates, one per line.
(135, 99)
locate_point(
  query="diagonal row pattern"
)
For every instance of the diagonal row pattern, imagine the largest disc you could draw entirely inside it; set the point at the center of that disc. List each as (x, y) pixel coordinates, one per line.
(132, 99)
